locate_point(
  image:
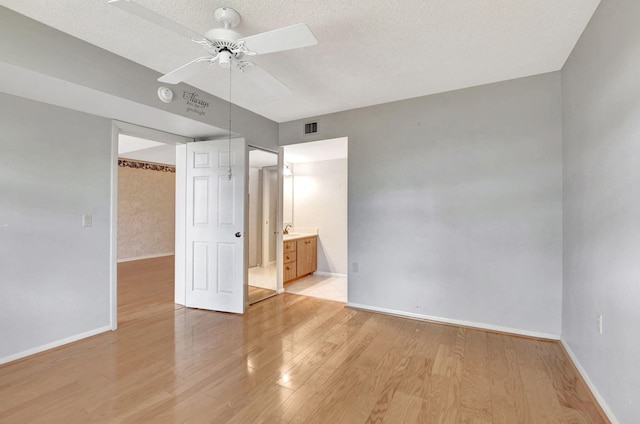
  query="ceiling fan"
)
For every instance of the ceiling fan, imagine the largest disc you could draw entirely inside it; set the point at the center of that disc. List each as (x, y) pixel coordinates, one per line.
(226, 47)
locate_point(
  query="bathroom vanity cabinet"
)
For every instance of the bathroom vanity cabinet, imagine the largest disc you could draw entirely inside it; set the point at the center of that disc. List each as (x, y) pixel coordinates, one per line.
(300, 257)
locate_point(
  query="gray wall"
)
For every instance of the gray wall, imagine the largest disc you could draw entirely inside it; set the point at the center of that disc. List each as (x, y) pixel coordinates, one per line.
(601, 121)
(54, 274)
(455, 203)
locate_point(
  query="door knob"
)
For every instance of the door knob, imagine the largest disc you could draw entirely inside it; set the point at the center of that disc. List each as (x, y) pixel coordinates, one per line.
(238, 234)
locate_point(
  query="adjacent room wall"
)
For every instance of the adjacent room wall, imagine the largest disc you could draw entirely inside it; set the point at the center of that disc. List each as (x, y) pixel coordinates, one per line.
(455, 203)
(320, 201)
(54, 273)
(601, 120)
(146, 213)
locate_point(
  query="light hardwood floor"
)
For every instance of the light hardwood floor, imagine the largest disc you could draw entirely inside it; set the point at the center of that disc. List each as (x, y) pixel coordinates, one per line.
(145, 287)
(289, 359)
(257, 294)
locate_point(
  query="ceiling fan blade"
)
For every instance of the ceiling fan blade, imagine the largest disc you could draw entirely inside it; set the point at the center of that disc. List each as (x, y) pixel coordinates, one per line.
(287, 38)
(185, 71)
(156, 18)
(264, 79)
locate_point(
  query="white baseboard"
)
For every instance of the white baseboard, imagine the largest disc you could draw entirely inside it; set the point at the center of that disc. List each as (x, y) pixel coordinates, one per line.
(478, 325)
(329, 274)
(603, 404)
(51, 345)
(138, 258)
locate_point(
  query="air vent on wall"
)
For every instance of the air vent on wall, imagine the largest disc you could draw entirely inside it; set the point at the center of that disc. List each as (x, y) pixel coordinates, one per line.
(310, 128)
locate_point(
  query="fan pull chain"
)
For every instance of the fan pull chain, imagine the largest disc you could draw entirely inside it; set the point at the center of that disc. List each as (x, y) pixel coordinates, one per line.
(229, 174)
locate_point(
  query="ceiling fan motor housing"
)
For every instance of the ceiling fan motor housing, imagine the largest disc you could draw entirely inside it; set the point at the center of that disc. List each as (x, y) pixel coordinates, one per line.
(221, 39)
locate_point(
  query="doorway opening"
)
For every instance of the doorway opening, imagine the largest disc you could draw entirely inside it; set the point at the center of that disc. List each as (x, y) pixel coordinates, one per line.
(146, 227)
(143, 222)
(315, 202)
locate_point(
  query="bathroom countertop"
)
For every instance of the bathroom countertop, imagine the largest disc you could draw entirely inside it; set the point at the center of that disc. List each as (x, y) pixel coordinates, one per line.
(296, 236)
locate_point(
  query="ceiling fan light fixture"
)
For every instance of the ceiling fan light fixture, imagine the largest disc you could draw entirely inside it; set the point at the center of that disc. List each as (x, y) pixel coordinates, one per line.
(224, 59)
(222, 36)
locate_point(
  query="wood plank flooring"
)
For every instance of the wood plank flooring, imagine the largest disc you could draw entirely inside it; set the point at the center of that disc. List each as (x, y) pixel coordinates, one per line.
(289, 359)
(145, 287)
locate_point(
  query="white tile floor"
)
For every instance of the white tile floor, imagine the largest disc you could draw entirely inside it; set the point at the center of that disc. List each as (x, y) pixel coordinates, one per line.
(330, 288)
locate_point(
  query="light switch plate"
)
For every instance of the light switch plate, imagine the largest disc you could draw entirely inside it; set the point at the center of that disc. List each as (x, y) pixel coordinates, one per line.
(87, 220)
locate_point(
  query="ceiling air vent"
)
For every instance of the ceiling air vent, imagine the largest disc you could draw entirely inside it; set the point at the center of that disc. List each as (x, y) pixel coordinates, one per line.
(310, 128)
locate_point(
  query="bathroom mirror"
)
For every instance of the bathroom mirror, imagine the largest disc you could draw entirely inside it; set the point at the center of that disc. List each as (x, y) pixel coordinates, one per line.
(262, 216)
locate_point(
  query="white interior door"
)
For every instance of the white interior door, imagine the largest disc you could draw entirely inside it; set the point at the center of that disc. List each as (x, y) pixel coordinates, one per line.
(214, 225)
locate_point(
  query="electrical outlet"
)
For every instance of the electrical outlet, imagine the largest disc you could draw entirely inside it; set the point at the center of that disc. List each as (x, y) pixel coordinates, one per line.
(87, 220)
(599, 322)
(355, 267)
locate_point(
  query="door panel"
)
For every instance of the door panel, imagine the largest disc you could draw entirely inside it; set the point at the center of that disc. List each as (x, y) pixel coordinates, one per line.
(227, 201)
(200, 266)
(214, 253)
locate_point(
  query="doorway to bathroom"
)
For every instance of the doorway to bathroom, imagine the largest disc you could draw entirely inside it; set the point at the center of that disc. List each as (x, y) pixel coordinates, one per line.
(315, 202)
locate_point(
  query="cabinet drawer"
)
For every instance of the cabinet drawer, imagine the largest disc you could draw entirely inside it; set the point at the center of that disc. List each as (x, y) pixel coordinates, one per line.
(289, 257)
(289, 271)
(289, 246)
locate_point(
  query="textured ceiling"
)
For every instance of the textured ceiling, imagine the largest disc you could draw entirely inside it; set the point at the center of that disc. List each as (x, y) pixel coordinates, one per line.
(369, 51)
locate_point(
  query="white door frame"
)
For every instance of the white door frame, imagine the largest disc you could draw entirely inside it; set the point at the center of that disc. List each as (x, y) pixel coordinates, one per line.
(279, 245)
(117, 128)
(265, 183)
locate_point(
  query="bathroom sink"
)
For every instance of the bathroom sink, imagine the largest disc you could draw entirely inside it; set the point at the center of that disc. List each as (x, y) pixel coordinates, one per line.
(300, 233)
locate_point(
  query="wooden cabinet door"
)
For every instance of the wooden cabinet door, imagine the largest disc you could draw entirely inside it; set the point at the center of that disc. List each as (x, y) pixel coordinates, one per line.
(307, 251)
